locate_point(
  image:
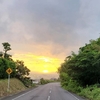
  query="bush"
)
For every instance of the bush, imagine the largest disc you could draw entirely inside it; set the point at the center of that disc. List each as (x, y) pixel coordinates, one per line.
(91, 92)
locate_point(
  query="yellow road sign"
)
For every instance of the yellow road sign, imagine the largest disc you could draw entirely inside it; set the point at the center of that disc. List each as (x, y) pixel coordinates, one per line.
(9, 70)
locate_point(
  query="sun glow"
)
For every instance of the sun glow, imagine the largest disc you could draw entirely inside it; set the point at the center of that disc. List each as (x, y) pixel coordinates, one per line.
(45, 59)
(40, 64)
(45, 71)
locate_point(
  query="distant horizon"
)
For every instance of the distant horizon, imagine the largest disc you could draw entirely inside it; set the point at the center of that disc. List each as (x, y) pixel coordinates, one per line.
(36, 75)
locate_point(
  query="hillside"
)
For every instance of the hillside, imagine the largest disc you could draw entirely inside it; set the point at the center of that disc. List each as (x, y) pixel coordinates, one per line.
(15, 87)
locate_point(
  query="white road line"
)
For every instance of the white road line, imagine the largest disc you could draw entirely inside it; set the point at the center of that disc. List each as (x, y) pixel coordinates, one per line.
(73, 96)
(48, 98)
(50, 92)
(22, 95)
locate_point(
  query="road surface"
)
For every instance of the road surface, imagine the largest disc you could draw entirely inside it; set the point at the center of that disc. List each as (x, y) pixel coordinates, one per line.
(51, 91)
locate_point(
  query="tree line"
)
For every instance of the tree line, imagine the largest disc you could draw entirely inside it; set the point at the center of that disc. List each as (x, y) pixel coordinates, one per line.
(82, 68)
(19, 70)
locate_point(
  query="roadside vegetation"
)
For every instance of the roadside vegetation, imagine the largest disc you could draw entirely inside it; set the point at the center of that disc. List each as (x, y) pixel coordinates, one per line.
(19, 70)
(46, 81)
(80, 73)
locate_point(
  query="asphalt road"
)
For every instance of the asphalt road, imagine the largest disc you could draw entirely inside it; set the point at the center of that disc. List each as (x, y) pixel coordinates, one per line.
(51, 91)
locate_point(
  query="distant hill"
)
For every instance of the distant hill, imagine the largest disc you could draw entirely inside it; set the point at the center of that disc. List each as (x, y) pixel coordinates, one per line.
(15, 87)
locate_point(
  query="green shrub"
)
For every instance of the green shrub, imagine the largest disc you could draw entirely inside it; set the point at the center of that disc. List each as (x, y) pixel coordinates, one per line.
(91, 92)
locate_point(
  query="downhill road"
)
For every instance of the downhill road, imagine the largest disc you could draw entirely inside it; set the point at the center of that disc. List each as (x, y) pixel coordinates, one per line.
(51, 91)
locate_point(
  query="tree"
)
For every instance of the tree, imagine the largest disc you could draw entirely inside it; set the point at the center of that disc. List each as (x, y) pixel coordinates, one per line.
(4, 65)
(43, 81)
(84, 67)
(1, 54)
(21, 70)
(22, 73)
(6, 62)
(6, 46)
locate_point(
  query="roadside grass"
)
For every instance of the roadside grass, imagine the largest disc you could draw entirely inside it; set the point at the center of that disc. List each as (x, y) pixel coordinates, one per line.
(89, 92)
(15, 87)
(92, 92)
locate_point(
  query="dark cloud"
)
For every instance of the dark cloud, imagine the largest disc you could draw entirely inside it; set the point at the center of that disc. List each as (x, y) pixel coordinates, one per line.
(49, 21)
(1, 1)
(63, 23)
(65, 11)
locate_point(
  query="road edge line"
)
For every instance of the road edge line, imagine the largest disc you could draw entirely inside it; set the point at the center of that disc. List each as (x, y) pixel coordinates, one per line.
(73, 95)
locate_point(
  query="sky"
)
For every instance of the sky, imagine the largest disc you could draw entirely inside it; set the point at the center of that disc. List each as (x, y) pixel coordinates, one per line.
(43, 33)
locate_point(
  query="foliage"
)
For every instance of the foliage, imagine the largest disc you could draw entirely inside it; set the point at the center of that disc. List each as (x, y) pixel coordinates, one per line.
(6, 46)
(44, 81)
(19, 70)
(90, 92)
(80, 73)
(22, 72)
(27, 81)
(84, 67)
(64, 79)
(4, 65)
(1, 54)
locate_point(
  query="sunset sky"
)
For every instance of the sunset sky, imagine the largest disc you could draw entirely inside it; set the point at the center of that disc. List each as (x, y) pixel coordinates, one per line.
(43, 32)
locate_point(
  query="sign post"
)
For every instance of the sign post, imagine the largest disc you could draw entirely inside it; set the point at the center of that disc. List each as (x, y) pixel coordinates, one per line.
(8, 82)
(9, 71)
